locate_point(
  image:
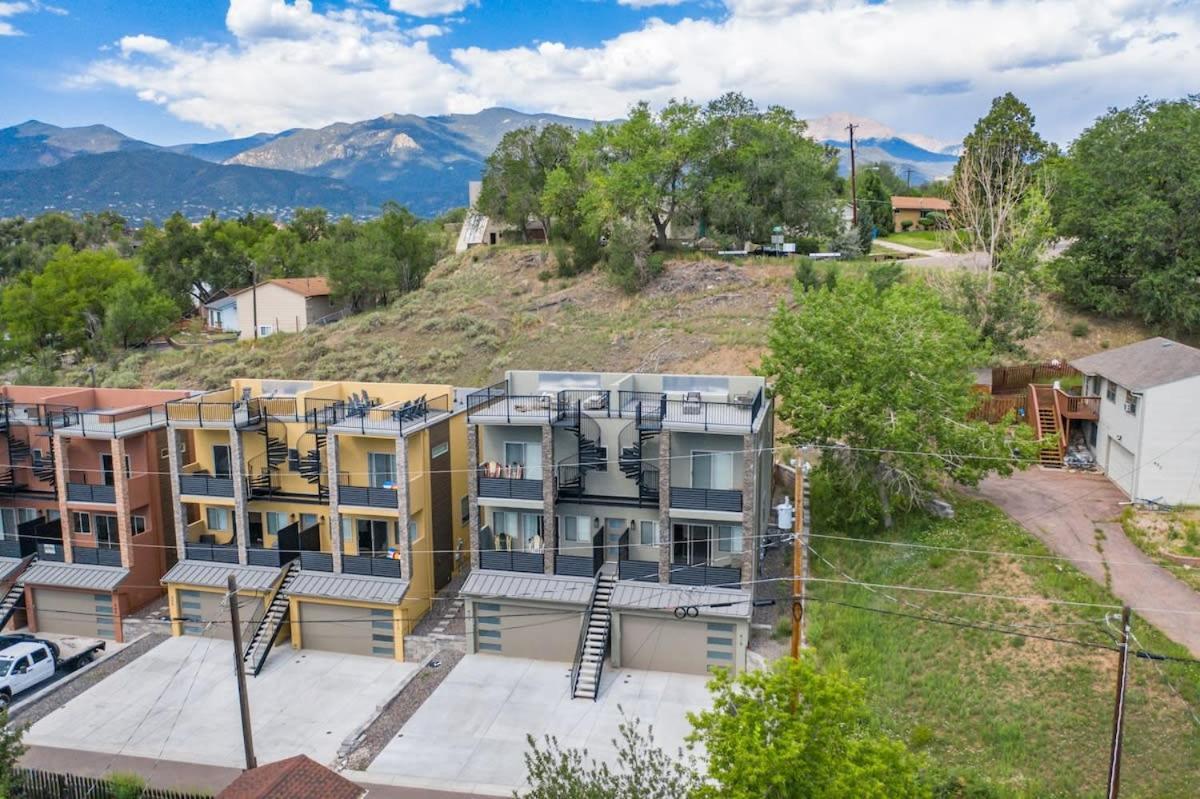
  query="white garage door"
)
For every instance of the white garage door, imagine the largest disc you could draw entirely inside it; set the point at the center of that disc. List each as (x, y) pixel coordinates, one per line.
(1120, 466)
(354, 631)
(74, 613)
(668, 644)
(205, 614)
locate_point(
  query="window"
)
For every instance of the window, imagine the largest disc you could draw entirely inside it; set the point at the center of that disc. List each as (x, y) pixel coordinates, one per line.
(347, 528)
(106, 531)
(577, 528)
(414, 532)
(8, 523)
(139, 525)
(649, 534)
(382, 468)
(1111, 391)
(106, 469)
(439, 450)
(38, 656)
(531, 531)
(712, 470)
(26, 515)
(464, 507)
(308, 520)
(276, 521)
(729, 538)
(528, 457)
(517, 530)
(217, 518)
(1131, 403)
(265, 330)
(221, 461)
(81, 523)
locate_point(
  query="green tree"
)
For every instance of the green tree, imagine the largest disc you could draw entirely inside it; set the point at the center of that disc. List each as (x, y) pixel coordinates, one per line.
(135, 311)
(515, 174)
(644, 770)
(874, 204)
(370, 263)
(794, 732)
(882, 380)
(309, 224)
(11, 749)
(1128, 192)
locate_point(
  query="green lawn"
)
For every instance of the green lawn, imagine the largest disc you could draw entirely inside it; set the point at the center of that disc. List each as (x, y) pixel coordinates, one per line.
(1032, 716)
(921, 239)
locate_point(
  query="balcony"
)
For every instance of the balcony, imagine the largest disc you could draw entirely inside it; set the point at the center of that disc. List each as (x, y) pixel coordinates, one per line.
(497, 487)
(217, 553)
(88, 492)
(645, 571)
(97, 556)
(388, 419)
(316, 561)
(109, 423)
(710, 499)
(581, 565)
(290, 543)
(371, 565)
(368, 497)
(496, 554)
(1071, 406)
(704, 574)
(217, 409)
(654, 410)
(202, 485)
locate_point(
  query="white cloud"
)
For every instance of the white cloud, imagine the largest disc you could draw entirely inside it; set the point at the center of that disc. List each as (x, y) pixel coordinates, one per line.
(14, 7)
(429, 8)
(649, 3)
(427, 31)
(925, 65)
(141, 43)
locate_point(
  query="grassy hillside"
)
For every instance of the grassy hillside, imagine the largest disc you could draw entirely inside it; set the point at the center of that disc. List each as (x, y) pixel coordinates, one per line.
(486, 311)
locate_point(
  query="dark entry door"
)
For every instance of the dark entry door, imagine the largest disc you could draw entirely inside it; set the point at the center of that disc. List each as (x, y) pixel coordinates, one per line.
(372, 537)
(690, 543)
(442, 504)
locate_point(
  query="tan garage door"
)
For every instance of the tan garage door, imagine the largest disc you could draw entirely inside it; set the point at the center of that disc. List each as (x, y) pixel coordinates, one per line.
(74, 612)
(354, 631)
(527, 631)
(668, 644)
(1120, 466)
(207, 616)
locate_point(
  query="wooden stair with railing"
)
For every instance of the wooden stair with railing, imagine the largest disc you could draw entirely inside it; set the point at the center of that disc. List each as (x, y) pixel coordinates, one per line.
(1047, 425)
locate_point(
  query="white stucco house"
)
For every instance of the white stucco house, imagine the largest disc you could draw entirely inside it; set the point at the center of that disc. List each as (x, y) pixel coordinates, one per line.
(221, 314)
(1147, 438)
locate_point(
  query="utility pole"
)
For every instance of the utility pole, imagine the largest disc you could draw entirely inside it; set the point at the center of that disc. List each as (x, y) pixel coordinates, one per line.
(908, 176)
(799, 562)
(1114, 763)
(254, 295)
(240, 671)
(853, 187)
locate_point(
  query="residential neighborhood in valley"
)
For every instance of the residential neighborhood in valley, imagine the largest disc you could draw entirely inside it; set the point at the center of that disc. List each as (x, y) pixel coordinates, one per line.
(452, 399)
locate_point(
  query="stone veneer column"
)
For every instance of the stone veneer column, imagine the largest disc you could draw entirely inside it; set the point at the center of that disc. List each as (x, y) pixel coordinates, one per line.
(241, 516)
(549, 484)
(473, 493)
(335, 512)
(62, 471)
(750, 531)
(664, 507)
(176, 469)
(406, 570)
(121, 489)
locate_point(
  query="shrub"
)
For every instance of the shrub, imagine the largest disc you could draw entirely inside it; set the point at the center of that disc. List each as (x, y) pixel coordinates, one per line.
(906, 225)
(806, 273)
(1080, 329)
(885, 275)
(807, 244)
(783, 628)
(123, 785)
(545, 275)
(630, 263)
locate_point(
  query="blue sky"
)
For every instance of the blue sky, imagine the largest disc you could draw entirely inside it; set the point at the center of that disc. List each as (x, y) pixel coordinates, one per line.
(208, 69)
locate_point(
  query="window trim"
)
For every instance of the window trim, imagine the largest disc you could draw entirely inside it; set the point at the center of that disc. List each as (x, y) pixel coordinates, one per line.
(208, 517)
(86, 517)
(133, 524)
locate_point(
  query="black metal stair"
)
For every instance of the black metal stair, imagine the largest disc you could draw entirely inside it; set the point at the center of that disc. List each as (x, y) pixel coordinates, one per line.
(311, 465)
(590, 455)
(632, 461)
(278, 613)
(43, 466)
(593, 640)
(18, 450)
(14, 600)
(276, 452)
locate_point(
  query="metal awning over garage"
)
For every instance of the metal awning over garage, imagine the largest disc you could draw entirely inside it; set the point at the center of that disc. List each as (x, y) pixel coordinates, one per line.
(486, 584)
(216, 575)
(9, 568)
(75, 575)
(348, 587)
(631, 595)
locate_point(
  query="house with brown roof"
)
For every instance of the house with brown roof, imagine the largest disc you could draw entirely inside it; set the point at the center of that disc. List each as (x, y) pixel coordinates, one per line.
(913, 209)
(284, 305)
(298, 777)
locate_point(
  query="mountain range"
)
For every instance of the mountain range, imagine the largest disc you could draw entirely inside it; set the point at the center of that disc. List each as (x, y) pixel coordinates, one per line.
(423, 163)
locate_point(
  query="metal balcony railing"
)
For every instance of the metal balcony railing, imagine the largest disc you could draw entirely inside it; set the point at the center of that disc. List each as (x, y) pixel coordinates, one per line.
(88, 492)
(717, 499)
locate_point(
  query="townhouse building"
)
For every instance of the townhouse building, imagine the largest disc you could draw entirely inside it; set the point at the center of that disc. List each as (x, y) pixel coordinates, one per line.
(338, 506)
(84, 506)
(617, 518)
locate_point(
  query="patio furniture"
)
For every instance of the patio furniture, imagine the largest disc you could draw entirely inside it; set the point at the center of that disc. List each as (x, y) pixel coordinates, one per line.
(691, 403)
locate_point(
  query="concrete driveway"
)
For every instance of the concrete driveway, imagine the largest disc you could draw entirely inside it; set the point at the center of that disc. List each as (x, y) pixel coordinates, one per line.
(179, 702)
(470, 734)
(1064, 510)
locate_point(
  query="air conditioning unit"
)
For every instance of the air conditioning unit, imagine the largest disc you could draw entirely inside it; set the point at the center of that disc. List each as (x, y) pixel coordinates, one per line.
(1131, 407)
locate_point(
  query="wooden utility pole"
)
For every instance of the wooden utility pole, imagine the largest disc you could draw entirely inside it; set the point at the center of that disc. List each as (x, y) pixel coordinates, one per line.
(240, 670)
(799, 562)
(254, 295)
(853, 186)
(908, 176)
(1114, 762)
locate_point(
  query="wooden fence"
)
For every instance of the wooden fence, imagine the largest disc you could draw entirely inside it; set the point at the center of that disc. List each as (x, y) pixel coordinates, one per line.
(1008, 379)
(34, 784)
(993, 407)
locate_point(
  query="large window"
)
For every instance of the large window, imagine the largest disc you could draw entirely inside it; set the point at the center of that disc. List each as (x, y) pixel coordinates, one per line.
(217, 518)
(8, 523)
(522, 459)
(81, 523)
(712, 470)
(307, 520)
(649, 536)
(729, 538)
(1111, 391)
(276, 521)
(382, 468)
(577, 528)
(519, 531)
(106, 531)
(221, 461)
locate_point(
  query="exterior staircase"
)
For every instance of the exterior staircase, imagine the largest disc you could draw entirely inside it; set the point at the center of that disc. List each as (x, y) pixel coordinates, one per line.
(43, 466)
(593, 641)
(276, 454)
(14, 600)
(18, 450)
(1049, 427)
(278, 613)
(310, 466)
(590, 456)
(631, 460)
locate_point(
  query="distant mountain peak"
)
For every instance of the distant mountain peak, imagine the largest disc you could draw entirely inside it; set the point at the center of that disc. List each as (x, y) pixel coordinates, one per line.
(832, 127)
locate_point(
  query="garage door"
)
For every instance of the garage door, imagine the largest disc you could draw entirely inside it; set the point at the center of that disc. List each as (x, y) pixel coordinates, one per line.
(354, 631)
(527, 631)
(668, 644)
(74, 613)
(207, 616)
(1120, 466)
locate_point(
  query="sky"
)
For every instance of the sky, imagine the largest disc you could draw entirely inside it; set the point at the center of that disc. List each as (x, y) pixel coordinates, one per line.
(170, 71)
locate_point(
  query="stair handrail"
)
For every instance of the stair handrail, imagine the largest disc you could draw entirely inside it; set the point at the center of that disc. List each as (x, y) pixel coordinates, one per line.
(1037, 417)
(262, 659)
(577, 664)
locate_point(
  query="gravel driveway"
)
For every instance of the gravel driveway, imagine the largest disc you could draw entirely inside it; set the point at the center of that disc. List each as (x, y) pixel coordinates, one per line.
(1065, 510)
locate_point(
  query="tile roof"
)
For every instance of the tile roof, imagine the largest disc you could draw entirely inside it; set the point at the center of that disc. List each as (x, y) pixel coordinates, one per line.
(355, 587)
(298, 777)
(483, 584)
(919, 204)
(1146, 364)
(74, 575)
(216, 575)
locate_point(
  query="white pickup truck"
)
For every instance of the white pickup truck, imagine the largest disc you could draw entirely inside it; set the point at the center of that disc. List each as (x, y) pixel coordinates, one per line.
(30, 663)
